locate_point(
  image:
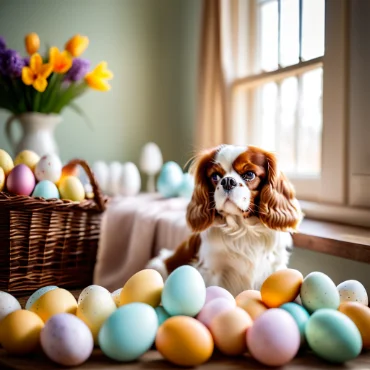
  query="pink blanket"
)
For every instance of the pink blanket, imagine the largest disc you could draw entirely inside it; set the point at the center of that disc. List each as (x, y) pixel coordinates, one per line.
(134, 229)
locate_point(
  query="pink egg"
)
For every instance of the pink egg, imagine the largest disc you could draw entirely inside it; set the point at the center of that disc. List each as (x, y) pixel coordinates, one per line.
(21, 180)
(213, 308)
(213, 292)
(274, 338)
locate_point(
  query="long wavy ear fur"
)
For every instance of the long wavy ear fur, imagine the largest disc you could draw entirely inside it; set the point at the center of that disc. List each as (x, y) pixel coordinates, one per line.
(279, 209)
(201, 212)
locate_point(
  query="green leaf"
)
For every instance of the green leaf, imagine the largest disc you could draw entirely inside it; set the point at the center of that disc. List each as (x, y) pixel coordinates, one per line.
(81, 113)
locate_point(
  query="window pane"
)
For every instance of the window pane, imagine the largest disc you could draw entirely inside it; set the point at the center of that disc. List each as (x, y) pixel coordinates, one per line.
(287, 125)
(289, 38)
(313, 29)
(268, 115)
(309, 134)
(269, 35)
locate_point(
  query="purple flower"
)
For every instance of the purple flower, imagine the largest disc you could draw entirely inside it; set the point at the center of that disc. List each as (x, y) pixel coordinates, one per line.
(26, 61)
(78, 70)
(2, 43)
(11, 63)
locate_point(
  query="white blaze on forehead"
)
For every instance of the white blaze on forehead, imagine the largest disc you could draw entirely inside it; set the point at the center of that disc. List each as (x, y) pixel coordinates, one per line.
(227, 155)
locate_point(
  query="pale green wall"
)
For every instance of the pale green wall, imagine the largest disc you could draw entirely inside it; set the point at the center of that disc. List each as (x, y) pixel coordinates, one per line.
(150, 45)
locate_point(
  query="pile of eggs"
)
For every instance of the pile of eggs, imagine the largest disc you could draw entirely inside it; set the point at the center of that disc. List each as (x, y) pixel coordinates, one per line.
(186, 321)
(43, 177)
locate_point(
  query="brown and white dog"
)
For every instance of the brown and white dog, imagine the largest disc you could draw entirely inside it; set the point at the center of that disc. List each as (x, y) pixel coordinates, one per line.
(241, 213)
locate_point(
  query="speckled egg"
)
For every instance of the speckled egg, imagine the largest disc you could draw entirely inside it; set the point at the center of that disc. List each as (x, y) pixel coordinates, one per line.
(49, 167)
(71, 188)
(352, 291)
(214, 308)
(214, 292)
(116, 295)
(162, 315)
(8, 304)
(46, 189)
(37, 294)
(184, 292)
(6, 162)
(319, 291)
(21, 180)
(184, 341)
(333, 336)
(129, 332)
(20, 332)
(66, 340)
(89, 289)
(27, 157)
(2, 179)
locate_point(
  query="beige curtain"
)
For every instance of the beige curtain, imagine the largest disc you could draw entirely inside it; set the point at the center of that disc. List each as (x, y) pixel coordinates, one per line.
(212, 119)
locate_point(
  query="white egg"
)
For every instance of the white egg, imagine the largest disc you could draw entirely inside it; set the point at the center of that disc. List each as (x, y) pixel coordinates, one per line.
(130, 180)
(89, 289)
(151, 159)
(352, 291)
(116, 296)
(8, 304)
(37, 294)
(115, 171)
(101, 172)
(49, 168)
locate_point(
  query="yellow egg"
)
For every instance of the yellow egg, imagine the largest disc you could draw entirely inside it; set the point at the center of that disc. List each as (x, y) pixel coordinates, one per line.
(281, 287)
(71, 188)
(360, 315)
(2, 179)
(145, 286)
(27, 157)
(184, 341)
(20, 332)
(53, 302)
(229, 330)
(94, 309)
(6, 162)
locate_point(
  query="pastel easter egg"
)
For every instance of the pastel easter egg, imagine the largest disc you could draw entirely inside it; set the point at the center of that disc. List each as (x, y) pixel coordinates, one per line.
(6, 162)
(162, 315)
(91, 289)
(184, 341)
(27, 157)
(184, 292)
(187, 186)
(21, 180)
(250, 301)
(116, 295)
(46, 189)
(101, 172)
(319, 291)
(214, 308)
(333, 336)
(2, 179)
(213, 292)
(71, 188)
(66, 340)
(169, 179)
(8, 304)
(129, 332)
(130, 180)
(49, 167)
(352, 291)
(274, 338)
(37, 294)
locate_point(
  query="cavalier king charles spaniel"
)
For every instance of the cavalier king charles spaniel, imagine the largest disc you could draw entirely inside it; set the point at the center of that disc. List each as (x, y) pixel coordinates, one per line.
(242, 212)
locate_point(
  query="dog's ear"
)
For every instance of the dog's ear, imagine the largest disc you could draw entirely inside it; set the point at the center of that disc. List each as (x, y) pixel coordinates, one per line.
(201, 212)
(278, 208)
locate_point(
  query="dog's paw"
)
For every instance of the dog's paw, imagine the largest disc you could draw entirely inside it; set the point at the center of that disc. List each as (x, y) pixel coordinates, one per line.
(158, 264)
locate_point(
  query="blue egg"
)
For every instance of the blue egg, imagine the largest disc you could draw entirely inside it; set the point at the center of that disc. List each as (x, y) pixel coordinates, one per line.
(162, 314)
(46, 189)
(184, 292)
(37, 294)
(187, 186)
(129, 332)
(169, 180)
(300, 316)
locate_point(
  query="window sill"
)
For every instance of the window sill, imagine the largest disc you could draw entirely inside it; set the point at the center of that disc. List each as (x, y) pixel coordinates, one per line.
(350, 242)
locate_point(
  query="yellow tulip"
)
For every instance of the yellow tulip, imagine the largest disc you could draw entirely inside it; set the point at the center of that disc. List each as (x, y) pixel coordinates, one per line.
(32, 42)
(61, 61)
(77, 45)
(37, 73)
(96, 79)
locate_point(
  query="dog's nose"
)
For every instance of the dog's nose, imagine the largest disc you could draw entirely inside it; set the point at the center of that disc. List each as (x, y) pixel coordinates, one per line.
(228, 183)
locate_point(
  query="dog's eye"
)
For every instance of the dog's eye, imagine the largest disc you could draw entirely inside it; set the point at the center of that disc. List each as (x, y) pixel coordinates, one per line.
(215, 177)
(249, 176)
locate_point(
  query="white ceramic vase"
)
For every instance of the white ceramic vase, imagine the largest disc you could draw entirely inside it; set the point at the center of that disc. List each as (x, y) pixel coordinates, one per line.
(37, 132)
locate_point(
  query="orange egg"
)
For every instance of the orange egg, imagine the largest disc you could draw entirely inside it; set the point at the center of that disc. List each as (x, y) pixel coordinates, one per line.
(20, 332)
(68, 170)
(248, 294)
(253, 306)
(281, 287)
(184, 341)
(229, 330)
(360, 315)
(53, 302)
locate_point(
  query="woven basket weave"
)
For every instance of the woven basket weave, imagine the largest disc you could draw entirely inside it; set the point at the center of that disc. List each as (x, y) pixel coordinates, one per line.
(49, 242)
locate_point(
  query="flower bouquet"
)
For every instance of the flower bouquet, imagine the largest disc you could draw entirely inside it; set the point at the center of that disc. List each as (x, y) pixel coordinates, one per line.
(47, 83)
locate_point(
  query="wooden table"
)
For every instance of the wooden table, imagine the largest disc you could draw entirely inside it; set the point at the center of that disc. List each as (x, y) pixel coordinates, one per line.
(153, 360)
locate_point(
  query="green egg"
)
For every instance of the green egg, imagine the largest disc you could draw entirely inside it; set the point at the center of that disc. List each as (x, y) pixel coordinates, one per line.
(300, 316)
(333, 336)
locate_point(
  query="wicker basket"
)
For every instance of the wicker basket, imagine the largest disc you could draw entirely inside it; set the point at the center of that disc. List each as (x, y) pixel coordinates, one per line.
(49, 242)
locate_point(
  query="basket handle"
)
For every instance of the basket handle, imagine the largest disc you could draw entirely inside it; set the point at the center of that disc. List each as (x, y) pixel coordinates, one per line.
(98, 195)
